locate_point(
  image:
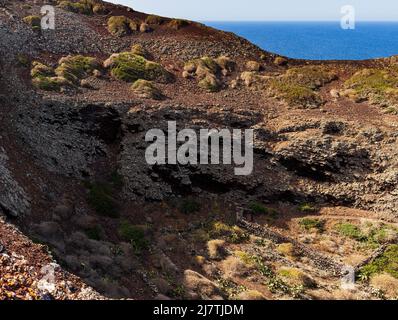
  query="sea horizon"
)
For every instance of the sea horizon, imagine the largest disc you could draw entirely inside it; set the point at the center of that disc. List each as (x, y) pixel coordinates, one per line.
(318, 40)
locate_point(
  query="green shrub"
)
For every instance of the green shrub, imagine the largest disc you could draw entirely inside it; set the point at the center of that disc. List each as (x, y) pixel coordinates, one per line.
(386, 263)
(146, 89)
(75, 68)
(48, 83)
(33, 21)
(154, 20)
(260, 209)
(308, 224)
(209, 83)
(350, 230)
(189, 206)
(139, 50)
(121, 25)
(82, 6)
(297, 86)
(130, 67)
(378, 86)
(101, 199)
(234, 234)
(41, 70)
(177, 24)
(135, 235)
(307, 207)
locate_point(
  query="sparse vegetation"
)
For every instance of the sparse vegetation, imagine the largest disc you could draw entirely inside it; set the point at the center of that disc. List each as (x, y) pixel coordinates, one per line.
(298, 86)
(386, 283)
(139, 50)
(287, 249)
(101, 198)
(33, 21)
(135, 235)
(307, 208)
(260, 209)
(378, 86)
(295, 277)
(121, 25)
(147, 89)
(189, 206)
(177, 24)
(154, 20)
(386, 263)
(83, 7)
(250, 295)
(75, 68)
(308, 224)
(233, 234)
(129, 67)
(216, 248)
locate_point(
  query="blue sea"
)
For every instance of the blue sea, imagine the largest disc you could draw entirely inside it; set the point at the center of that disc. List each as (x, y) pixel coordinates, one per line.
(319, 40)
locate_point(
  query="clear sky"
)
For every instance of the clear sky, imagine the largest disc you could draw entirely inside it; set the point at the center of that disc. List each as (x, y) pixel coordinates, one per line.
(259, 10)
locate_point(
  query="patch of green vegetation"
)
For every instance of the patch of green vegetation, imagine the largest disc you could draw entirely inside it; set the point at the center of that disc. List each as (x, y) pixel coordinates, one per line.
(139, 50)
(260, 209)
(135, 235)
(274, 283)
(209, 83)
(33, 21)
(129, 67)
(230, 288)
(299, 84)
(378, 86)
(233, 234)
(48, 83)
(83, 6)
(75, 68)
(154, 20)
(373, 236)
(386, 263)
(307, 208)
(351, 231)
(94, 233)
(189, 206)
(101, 198)
(146, 89)
(121, 25)
(308, 224)
(41, 70)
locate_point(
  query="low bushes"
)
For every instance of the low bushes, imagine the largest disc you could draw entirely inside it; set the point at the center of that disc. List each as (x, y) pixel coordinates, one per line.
(309, 224)
(101, 199)
(378, 86)
(135, 235)
(69, 72)
(146, 89)
(83, 7)
(208, 71)
(129, 67)
(299, 85)
(75, 68)
(386, 263)
(33, 21)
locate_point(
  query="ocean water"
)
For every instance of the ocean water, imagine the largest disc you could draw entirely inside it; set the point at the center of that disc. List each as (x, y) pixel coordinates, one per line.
(319, 40)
